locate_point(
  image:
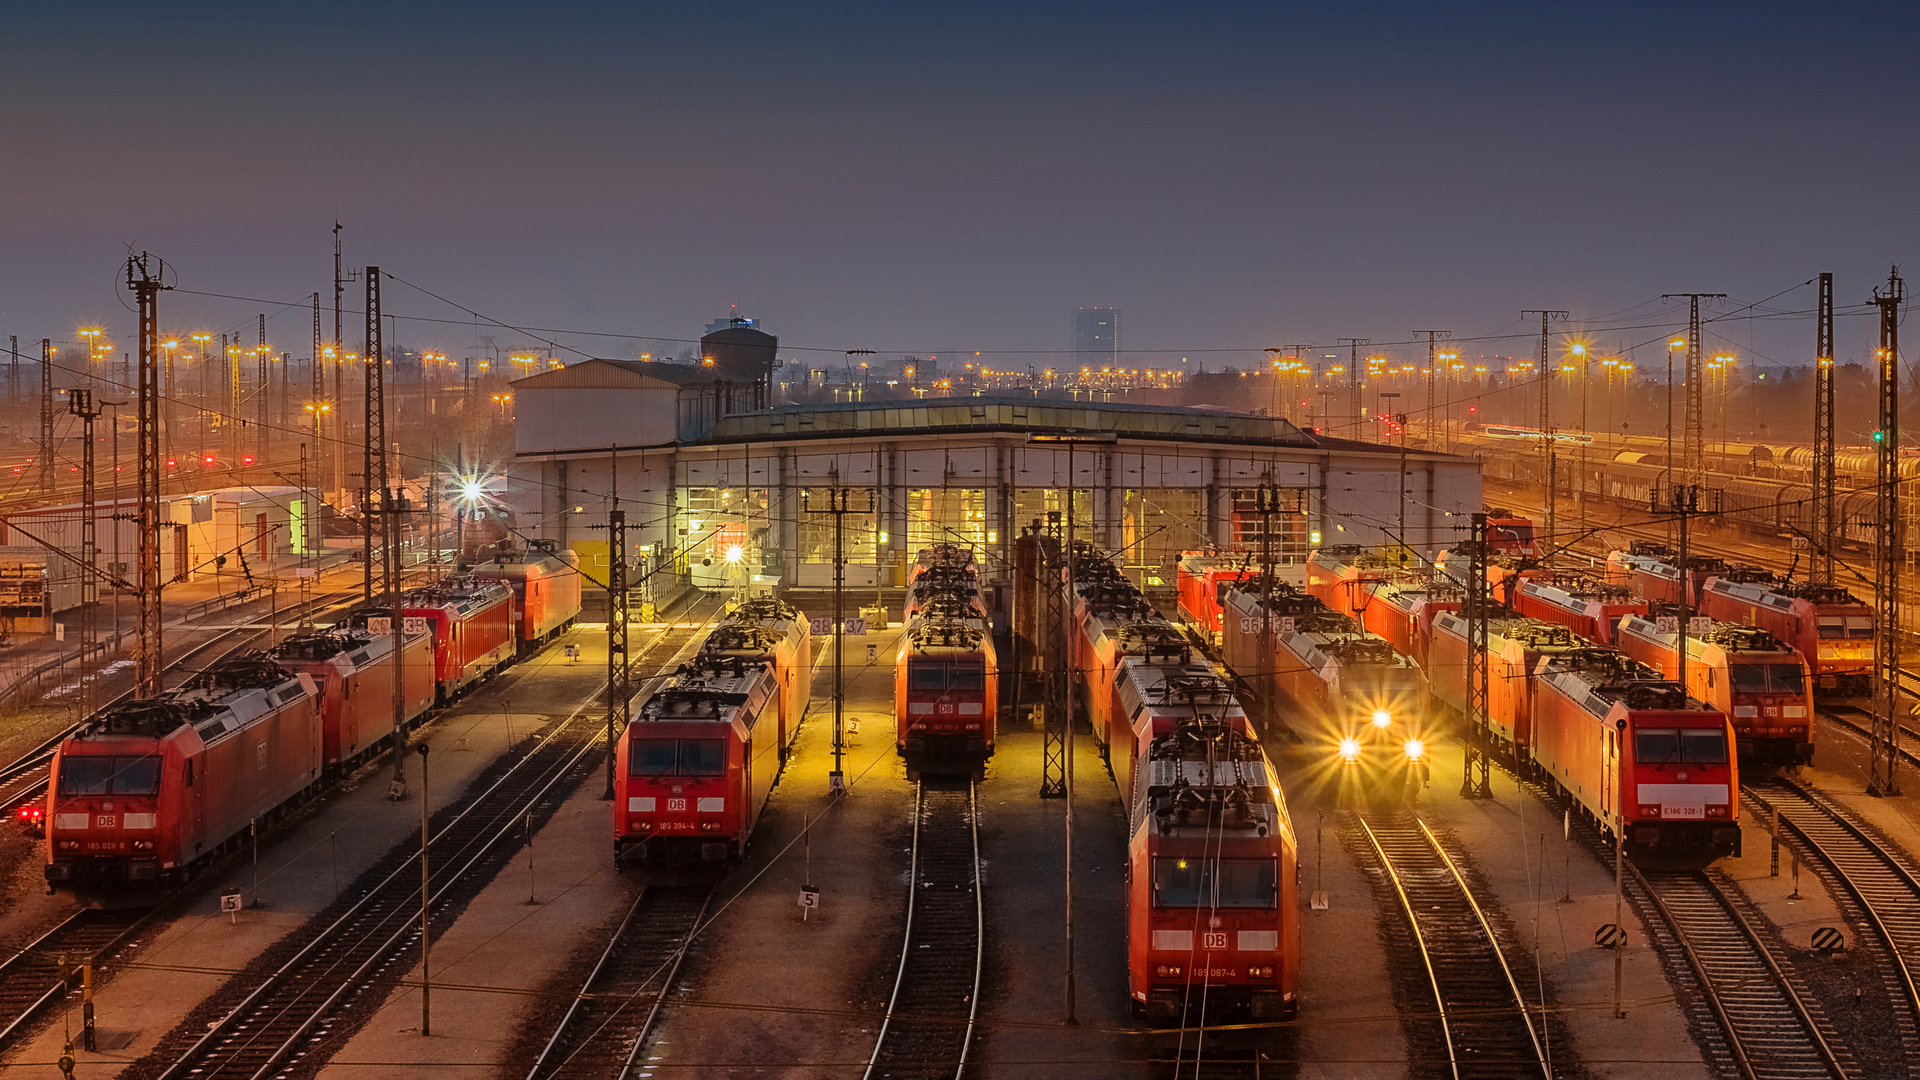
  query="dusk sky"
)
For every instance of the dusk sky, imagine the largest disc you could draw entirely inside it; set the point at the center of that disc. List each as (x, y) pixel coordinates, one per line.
(916, 179)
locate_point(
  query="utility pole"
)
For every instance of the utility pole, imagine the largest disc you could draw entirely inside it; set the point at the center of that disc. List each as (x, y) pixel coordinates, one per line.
(1476, 609)
(310, 518)
(1824, 521)
(147, 288)
(619, 675)
(839, 504)
(1683, 501)
(46, 415)
(1549, 481)
(1889, 547)
(13, 370)
(1694, 446)
(1353, 381)
(260, 406)
(315, 376)
(80, 403)
(380, 500)
(1433, 337)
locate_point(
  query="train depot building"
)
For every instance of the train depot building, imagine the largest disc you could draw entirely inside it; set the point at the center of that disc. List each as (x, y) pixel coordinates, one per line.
(733, 492)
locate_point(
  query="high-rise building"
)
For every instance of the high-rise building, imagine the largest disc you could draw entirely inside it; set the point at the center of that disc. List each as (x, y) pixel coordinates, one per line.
(1096, 336)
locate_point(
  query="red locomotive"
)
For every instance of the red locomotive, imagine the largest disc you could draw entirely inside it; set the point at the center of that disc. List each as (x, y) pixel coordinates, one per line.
(471, 621)
(149, 791)
(1515, 645)
(1634, 752)
(1203, 579)
(546, 591)
(1213, 929)
(946, 677)
(352, 673)
(1652, 572)
(1161, 692)
(1342, 576)
(775, 632)
(1511, 534)
(1330, 680)
(695, 766)
(1583, 605)
(1825, 624)
(1747, 673)
(1403, 607)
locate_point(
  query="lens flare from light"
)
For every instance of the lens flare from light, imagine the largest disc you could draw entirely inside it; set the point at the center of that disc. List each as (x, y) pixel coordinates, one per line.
(1349, 749)
(734, 553)
(1415, 749)
(1382, 718)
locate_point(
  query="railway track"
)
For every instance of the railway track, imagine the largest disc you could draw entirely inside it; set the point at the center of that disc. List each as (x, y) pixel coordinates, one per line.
(1771, 1031)
(1486, 1026)
(30, 980)
(343, 964)
(929, 1023)
(25, 778)
(605, 1028)
(1881, 881)
(1860, 722)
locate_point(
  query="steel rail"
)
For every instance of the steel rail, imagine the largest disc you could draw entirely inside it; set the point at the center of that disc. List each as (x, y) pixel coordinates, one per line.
(15, 971)
(1420, 942)
(918, 918)
(187, 1061)
(1872, 850)
(1711, 989)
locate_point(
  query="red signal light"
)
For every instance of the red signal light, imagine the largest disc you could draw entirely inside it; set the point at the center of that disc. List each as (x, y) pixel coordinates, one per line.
(208, 459)
(248, 460)
(171, 463)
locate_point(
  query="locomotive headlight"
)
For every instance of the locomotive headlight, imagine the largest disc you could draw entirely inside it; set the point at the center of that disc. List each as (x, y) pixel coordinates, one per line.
(1166, 971)
(1415, 749)
(1382, 718)
(1349, 749)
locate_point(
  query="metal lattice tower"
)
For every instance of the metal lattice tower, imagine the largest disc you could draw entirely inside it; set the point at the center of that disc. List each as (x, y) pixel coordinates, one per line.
(1053, 559)
(1433, 337)
(1824, 523)
(373, 499)
(1353, 344)
(80, 403)
(1549, 481)
(1693, 447)
(46, 414)
(1889, 548)
(619, 675)
(1478, 603)
(146, 288)
(839, 504)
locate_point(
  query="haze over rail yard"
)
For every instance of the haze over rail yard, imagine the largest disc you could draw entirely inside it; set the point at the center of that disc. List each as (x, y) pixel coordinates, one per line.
(583, 541)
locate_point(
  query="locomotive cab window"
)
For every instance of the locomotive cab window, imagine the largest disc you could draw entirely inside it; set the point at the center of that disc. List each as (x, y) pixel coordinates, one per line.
(677, 757)
(1679, 746)
(1832, 626)
(1860, 627)
(941, 678)
(1766, 678)
(80, 776)
(1244, 883)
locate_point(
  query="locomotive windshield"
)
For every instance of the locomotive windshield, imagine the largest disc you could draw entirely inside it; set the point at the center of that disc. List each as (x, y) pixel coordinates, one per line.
(104, 775)
(1679, 746)
(940, 678)
(1835, 627)
(1245, 883)
(677, 757)
(1766, 678)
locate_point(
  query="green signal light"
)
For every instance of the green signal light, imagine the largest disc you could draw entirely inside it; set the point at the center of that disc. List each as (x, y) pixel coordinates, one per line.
(1879, 436)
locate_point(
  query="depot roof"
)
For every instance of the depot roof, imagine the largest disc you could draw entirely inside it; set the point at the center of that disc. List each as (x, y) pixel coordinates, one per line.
(994, 414)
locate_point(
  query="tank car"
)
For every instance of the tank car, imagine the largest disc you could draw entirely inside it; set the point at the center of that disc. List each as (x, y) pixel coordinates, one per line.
(1515, 646)
(1825, 624)
(1202, 579)
(1588, 607)
(1635, 753)
(546, 591)
(1745, 672)
(352, 673)
(1212, 886)
(694, 767)
(150, 790)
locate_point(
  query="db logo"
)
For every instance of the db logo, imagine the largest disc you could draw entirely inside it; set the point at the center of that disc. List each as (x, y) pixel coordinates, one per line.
(946, 708)
(103, 821)
(677, 804)
(1213, 939)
